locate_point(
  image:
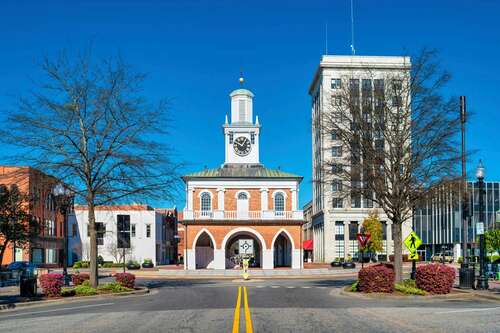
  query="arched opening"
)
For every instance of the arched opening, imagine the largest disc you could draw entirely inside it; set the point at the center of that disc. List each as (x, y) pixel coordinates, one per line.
(204, 251)
(279, 204)
(242, 205)
(282, 251)
(240, 245)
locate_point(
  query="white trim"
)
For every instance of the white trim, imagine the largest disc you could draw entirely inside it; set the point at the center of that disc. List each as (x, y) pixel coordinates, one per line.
(242, 191)
(280, 191)
(199, 234)
(205, 191)
(287, 234)
(244, 229)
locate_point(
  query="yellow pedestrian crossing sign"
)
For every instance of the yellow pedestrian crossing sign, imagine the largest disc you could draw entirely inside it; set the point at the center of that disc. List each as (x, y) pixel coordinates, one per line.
(412, 242)
(413, 256)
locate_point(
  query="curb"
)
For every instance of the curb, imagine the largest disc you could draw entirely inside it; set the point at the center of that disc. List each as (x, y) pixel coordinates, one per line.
(374, 296)
(480, 295)
(14, 306)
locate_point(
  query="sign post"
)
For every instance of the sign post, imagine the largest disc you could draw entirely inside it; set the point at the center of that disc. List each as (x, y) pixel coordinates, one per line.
(363, 240)
(412, 242)
(246, 251)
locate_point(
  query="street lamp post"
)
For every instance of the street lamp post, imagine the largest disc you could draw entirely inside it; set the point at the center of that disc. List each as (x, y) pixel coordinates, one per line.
(482, 280)
(63, 198)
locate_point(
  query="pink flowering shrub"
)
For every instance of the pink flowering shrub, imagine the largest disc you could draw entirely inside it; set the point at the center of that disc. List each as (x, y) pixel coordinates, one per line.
(78, 278)
(376, 279)
(51, 284)
(435, 278)
(127, 280)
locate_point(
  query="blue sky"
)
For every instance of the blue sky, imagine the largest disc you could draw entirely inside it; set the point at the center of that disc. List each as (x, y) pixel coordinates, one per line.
(193, 52)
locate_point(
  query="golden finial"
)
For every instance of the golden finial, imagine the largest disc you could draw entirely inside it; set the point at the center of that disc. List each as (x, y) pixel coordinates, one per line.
(242, 79)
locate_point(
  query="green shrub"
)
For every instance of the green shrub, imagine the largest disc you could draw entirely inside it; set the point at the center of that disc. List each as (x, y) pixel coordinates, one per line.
(409, 283)
(148, 261)
(83, 290)
(354, 286)
(117, 265)
(68, 291)
(409, 290)
(114, 287)
(86, 283)
(460, 259)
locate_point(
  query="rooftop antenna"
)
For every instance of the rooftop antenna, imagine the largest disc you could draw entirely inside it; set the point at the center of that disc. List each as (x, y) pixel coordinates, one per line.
(242, 79)
(353, 50)
(326, 38)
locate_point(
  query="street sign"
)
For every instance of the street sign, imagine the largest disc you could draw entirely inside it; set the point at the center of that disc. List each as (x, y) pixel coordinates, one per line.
(480, 228)
(245, 246)
(245, 269)
(412, 242)
(363, 239)
(413, 256)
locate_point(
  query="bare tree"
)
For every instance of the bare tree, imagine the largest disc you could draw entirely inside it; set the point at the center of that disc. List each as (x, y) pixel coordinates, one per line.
(393, 139)
(89, 125)
(117, 253)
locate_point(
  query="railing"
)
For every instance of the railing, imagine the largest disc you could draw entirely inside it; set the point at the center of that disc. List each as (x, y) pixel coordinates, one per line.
(243, 215)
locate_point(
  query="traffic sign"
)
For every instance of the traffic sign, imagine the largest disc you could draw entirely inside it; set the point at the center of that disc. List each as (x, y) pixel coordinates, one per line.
(498, 216)
(413, 256)
(246, 246)
(412, 242)
(480, 228)
(363, 239)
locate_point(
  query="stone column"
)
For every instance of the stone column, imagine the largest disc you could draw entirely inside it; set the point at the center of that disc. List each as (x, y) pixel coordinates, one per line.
(346, 240)
(264, 192)
(190, 199)
(294, 199)
(220, 198)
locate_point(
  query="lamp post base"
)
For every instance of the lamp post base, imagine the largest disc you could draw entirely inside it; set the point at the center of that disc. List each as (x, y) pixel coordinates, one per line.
(482, 283)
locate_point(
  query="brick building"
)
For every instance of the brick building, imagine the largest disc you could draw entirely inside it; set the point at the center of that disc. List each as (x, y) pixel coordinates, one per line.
(46, 249)
(242, 201)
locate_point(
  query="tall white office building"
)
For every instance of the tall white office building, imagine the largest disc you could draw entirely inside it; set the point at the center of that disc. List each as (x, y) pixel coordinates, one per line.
(337, 219)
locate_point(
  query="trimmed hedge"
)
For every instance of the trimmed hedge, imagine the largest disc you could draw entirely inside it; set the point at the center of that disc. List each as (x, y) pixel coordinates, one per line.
(78, 278)
(51, 284)
(435, 278)
(376, 279)
(127, 280)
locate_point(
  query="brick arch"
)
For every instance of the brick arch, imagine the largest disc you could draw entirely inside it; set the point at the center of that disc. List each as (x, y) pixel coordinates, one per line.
(201, 233)
(252, 231)
(288, 235)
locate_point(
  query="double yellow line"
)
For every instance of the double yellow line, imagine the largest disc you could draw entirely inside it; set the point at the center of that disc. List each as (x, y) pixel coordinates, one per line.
(248, 318)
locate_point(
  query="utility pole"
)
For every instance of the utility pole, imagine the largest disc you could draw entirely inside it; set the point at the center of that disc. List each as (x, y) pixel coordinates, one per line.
(465, 201)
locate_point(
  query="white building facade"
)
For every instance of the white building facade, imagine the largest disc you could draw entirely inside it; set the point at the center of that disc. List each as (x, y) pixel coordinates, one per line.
(336, 220)
(150, 234)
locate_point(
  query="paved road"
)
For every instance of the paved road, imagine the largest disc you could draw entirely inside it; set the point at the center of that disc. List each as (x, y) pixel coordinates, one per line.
(269, 306)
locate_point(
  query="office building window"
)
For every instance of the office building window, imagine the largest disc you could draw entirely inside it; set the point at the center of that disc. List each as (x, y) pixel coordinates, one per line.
(397, 101)
(148, 230)
(74, 230)
(337, 202)
(336, 100)
(335, 135)
(337, 186)
(336, 83)
(339, 239)
(100, 232)
(337, 151)
(336, 169)
(132, 230)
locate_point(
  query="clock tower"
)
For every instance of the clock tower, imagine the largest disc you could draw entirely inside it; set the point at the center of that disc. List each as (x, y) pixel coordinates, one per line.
(241, 135)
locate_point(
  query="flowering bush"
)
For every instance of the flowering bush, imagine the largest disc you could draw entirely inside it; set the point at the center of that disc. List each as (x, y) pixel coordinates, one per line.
(78, 278)
(127, 280)
(376, 279)
(435, 278)
(51, 284)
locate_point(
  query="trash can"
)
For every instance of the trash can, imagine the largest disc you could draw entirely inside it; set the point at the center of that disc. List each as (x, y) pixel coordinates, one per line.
(466, 276)
(28, 282)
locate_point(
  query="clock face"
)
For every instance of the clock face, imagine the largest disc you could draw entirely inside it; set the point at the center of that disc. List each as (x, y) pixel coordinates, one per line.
(242, 146)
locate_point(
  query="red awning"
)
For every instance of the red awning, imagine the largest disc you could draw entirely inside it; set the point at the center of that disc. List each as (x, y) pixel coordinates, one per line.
(307, 244)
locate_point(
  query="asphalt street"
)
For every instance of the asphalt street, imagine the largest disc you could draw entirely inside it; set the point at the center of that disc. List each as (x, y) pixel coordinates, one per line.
(257, 306)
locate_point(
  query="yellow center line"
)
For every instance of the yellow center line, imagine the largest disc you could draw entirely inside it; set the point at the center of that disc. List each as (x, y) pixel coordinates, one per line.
(248, 318)
(236, 321)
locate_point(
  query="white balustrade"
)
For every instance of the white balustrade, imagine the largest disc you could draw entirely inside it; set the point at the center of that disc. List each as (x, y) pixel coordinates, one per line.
(246, 215)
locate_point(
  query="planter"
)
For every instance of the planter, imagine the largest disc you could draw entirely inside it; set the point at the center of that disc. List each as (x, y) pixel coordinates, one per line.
(348, 265)
(335, 264)
(147, 265)
(133, 266)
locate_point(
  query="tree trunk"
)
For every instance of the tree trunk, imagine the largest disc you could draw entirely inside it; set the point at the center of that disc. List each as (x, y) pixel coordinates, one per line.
(398, 251)
(93, 247)
(2, 251)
